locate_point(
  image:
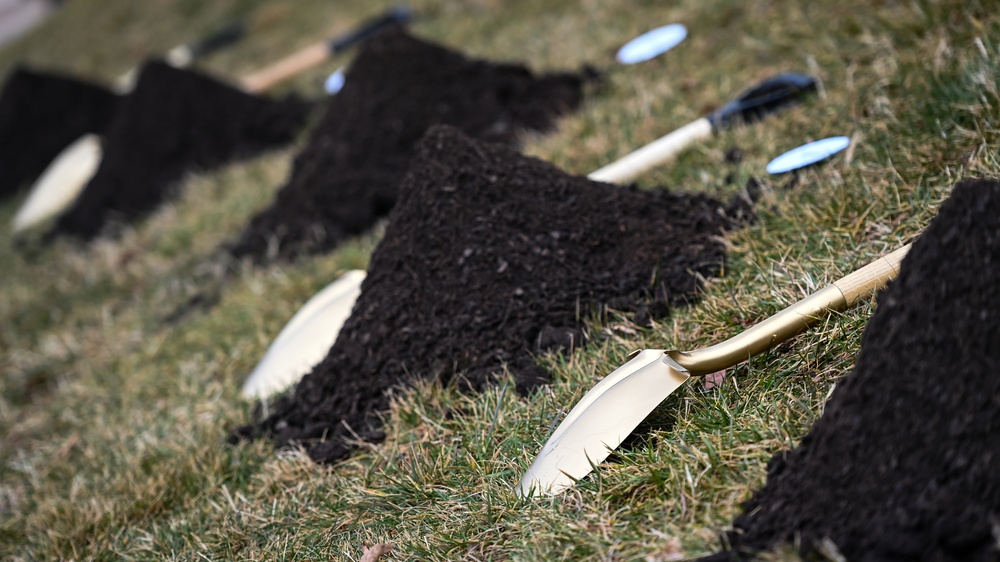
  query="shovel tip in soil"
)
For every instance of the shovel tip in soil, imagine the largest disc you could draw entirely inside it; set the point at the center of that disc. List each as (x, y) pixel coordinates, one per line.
(60, 185)
(306, 339)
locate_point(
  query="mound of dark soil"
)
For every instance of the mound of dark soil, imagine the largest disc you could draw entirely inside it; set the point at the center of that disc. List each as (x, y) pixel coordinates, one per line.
(40, 115)
(903, 464)
(490, 257)
(173, 122)
(348, 175)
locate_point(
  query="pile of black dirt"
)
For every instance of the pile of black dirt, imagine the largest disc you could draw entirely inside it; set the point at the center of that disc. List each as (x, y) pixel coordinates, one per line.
(173, 122)
(40, 115)
(903, 463)
(348, 175)
(489, 258)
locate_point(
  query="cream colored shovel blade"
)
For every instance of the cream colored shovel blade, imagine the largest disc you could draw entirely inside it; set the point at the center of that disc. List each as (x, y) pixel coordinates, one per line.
(60, 184)
(306, 339)
(607, 414)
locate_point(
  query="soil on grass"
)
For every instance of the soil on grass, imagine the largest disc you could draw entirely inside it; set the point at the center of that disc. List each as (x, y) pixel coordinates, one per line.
(174, 122)
(40, 115)
(348, 175)
(903, 463)
(490, 258)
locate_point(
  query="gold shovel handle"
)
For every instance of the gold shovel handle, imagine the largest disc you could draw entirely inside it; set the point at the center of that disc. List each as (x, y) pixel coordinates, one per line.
(840, 295)
(870, 278)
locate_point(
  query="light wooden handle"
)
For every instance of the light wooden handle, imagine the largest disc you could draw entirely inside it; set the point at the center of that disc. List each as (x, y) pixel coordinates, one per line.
(872, 277)
(286, 68)
(653, 154)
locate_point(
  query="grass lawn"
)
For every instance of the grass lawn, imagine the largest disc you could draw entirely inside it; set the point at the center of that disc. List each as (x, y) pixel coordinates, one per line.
(113, 421)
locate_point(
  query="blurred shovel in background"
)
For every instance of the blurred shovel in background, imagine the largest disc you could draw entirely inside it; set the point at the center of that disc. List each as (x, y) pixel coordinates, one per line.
(182, 56)
(318, 53)
(616, 405)
(58, 187)
(311, 332)
(752, 105)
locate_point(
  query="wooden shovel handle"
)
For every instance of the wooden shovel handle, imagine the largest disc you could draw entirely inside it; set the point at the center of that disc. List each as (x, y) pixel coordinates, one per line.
(637, 162)
(287, 67)
(319, 52)
(840, 295)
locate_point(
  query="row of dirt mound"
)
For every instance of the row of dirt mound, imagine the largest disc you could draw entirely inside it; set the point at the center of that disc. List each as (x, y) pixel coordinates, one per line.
(40, 115)
(903, 463)
(175, 121)
(348, 175)
(490, 258)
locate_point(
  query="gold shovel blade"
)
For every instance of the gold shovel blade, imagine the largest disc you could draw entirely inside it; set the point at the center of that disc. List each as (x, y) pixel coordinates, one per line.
(605, 416)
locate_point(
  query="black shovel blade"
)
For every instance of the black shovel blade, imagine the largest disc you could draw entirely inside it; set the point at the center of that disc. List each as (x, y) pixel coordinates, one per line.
(216, 41)
(396, 15)
(780, 91)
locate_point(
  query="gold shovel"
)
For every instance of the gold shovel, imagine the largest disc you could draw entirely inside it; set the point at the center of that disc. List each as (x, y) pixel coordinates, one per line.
(617, 404)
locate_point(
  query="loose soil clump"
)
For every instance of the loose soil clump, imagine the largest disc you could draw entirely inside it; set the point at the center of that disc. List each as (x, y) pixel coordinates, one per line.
(489, 258)
(40, 115)
(903, 463)
(175, 121)
(348, 175)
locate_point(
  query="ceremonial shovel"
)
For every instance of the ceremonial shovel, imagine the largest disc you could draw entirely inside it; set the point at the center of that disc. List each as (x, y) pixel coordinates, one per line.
(616, 404)
(752, 105)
